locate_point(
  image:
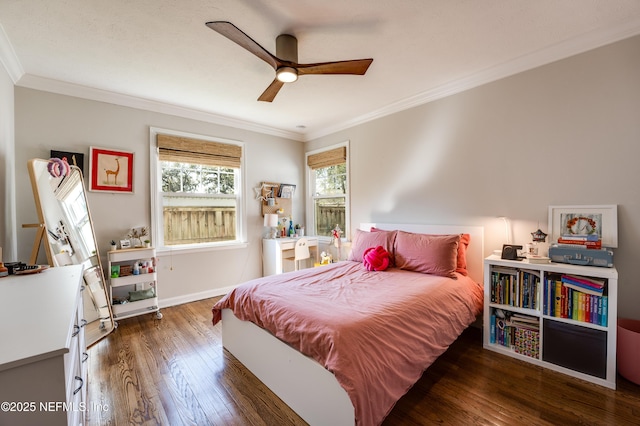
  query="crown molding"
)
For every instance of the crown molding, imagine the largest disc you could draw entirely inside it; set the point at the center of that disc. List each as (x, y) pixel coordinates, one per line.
(563, 50)
(63, 88)
(8, 57)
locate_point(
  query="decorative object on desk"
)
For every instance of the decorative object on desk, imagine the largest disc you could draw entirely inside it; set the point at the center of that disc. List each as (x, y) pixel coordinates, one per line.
(72, 158)
(337, 240)
(286, 190)
(536, 247)
(292, 232)
(271, 221)
(533, 258)
(137, 234)
(113, 244)
(299, 230)
(539, 236)
(265, 191)
(510, 252)
(592, 227)
(147, 243)
(110, 170)
(125, 244)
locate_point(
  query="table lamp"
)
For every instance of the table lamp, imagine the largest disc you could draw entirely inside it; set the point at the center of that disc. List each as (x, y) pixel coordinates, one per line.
(271, 221)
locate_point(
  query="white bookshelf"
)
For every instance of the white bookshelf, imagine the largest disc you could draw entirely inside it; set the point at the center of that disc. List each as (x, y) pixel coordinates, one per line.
(578, 348)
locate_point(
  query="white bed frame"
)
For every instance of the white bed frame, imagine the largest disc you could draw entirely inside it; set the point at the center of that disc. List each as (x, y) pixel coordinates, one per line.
(304, 385)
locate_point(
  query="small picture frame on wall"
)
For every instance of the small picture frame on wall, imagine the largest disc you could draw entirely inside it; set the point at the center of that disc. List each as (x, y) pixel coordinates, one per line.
(110, 170)
(73, 158)
(286, 190)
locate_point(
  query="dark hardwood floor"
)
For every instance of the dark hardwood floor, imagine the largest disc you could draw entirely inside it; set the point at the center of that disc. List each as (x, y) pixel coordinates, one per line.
(174, 371)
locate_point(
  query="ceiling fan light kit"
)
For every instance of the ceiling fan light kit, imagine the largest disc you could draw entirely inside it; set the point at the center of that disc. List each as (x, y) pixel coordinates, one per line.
(287, 74)
(286, 63)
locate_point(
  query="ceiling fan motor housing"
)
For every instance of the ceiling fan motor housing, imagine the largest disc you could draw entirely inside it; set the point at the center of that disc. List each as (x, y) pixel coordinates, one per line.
(287, 48)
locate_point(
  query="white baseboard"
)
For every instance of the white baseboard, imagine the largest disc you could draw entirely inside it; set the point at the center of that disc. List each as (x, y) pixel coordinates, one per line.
(179, 300)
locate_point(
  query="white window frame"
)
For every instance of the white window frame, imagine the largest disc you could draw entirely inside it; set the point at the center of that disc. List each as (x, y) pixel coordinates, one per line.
(157, 226)
(310, 216)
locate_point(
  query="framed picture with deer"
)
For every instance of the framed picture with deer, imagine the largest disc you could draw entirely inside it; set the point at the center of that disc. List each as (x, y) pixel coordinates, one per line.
(110, 170)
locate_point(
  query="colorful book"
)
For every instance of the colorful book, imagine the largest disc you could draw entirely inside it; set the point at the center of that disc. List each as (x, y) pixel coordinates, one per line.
(492, 328)
(587, 308)
(580, 243)
(588, 282)
(558, 299)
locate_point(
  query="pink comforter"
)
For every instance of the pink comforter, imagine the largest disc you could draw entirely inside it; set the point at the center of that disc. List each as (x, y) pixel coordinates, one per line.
(375, 331)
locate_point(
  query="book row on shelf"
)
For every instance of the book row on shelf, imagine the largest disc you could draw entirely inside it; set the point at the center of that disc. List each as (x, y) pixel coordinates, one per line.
(563, 295)
(517, 332)
(577, 298)
(518, 288)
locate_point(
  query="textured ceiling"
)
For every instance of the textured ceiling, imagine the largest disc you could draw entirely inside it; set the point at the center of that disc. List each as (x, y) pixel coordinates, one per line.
(159, 52)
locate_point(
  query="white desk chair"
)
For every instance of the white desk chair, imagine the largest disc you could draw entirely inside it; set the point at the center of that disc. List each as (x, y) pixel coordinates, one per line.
(301, 252)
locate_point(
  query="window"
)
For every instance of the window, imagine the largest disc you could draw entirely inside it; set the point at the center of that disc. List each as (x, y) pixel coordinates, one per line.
(199, 195)
(329, 189)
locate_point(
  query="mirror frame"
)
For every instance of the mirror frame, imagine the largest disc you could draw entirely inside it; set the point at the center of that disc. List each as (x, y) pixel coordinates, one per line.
(39, 173)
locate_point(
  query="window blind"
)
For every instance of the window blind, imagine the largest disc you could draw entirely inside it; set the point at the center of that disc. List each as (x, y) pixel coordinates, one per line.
(327, 158)
(196, 151)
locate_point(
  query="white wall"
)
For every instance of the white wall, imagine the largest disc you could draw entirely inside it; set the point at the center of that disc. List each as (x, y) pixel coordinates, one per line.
(7, 175)
(567, 133)
(45, 121)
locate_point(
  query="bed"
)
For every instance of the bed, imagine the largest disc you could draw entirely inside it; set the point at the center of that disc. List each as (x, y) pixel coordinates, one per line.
(340, 344)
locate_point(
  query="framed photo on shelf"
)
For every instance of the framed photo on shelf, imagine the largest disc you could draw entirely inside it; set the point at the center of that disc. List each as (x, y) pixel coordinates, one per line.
(588, 223)
(110, 170)
(286, 190)
(125, 244)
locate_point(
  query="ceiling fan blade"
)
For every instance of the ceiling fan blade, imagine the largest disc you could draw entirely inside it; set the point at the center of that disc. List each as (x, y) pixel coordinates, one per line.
(236, 35)
(357, 66)
(270, 93)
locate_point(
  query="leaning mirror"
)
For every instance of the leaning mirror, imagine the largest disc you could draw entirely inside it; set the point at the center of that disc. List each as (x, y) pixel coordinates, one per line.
(69, 238)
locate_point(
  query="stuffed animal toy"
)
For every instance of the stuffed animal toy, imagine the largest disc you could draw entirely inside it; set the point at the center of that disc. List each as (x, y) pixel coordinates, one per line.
(375, 259)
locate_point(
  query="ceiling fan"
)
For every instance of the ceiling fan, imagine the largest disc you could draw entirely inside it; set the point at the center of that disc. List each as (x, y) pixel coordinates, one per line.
(285, 63)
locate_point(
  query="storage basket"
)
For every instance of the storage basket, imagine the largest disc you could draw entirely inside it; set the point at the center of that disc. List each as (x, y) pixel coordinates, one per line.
(629, 349)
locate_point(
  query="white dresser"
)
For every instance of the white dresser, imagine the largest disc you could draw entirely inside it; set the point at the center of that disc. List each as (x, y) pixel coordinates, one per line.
(43, 373)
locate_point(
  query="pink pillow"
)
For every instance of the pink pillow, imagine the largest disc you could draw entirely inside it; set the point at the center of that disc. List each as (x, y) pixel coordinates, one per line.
(375, 259)
(363, 240)
(428, 254)
(462, 254)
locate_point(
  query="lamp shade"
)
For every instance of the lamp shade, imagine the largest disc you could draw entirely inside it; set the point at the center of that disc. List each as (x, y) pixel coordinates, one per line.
(271, 220)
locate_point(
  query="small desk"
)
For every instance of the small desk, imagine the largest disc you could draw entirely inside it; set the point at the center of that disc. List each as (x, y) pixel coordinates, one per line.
(274, 251)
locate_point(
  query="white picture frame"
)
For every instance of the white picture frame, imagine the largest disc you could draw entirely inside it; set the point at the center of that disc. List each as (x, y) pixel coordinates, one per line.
(595, 219)
(125, 244)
